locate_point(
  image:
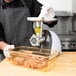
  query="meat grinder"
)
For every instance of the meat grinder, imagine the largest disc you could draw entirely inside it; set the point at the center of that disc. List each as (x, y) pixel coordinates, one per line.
(44, 38)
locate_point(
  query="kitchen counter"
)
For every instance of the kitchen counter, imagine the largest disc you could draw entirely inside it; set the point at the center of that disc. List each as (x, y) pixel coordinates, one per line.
(64, 65)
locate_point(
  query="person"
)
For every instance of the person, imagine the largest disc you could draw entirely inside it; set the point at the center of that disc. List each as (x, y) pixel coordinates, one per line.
(14, 27)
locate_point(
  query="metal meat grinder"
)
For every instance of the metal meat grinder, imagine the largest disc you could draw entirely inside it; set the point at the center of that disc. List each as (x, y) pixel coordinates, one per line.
(45, 39)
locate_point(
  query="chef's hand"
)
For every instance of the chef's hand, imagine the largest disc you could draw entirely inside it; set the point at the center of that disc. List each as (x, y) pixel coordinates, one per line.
(6, 50)
(47, 13)
(8, 1)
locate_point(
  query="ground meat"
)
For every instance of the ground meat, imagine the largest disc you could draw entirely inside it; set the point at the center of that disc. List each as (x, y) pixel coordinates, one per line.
(31, 61)
(18, 60)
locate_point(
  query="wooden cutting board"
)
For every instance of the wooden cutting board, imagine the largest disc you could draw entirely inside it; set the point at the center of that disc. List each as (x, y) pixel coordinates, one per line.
(64, 65)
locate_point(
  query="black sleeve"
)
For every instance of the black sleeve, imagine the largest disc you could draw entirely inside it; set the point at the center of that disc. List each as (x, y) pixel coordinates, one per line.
(37, 8)
(34, 7)
(53, 23)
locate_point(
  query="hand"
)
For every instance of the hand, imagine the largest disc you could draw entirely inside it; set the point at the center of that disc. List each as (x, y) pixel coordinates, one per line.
(6, 50)
(8, 1)
(47, 13)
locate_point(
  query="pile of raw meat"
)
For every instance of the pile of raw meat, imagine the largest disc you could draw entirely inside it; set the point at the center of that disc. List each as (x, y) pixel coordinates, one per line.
(30, 61)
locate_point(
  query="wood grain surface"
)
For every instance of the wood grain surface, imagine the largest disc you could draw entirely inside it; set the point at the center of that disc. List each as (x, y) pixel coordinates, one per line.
(64, 65)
